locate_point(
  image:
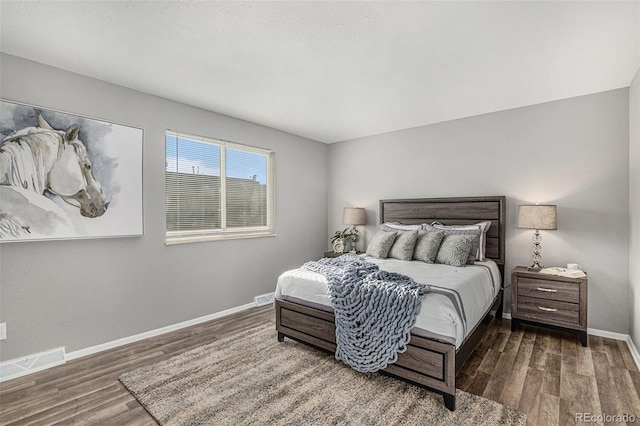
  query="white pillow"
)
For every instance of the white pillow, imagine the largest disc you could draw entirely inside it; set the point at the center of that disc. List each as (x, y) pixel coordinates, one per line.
(395, 226)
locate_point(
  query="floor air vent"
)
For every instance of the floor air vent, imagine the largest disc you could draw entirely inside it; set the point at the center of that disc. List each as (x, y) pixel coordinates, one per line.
(264, 299)
(30, 364)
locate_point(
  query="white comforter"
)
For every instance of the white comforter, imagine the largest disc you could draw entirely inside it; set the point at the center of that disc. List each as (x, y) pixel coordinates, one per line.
(459, 297)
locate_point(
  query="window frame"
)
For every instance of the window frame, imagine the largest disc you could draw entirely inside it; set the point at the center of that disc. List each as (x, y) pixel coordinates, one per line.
(224, 233)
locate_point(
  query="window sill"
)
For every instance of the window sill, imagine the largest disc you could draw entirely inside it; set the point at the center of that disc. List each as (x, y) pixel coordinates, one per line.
(184, 239)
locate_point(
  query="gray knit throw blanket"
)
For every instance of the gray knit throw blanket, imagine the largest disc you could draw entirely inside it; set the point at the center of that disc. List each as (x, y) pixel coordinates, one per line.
(374, 310)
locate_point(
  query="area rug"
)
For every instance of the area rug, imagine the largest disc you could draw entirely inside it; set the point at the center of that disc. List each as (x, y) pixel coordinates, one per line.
(250, 378)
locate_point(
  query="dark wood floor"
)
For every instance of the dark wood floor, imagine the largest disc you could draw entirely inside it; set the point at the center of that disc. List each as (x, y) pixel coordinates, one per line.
(549, 375)
(546, 374)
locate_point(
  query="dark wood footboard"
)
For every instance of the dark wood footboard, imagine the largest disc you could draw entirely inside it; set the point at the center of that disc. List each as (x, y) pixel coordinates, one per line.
(427, 363)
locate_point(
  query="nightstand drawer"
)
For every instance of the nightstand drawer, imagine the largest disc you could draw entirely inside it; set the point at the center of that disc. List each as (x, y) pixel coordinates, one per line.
(551, 290)
(549, 311)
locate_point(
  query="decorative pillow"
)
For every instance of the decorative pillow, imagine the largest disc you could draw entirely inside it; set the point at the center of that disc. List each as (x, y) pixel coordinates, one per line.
(395, 226)
(480, 253)
(455, 249)
(381, 244)
(427, 245)
(404, 244)
(482, 247)
(479, 229)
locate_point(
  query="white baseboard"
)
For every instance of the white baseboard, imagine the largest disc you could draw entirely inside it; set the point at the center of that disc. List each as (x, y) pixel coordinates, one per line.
(607, 334)
(19, 367)
(152, 333)
(618, 336)
(634, 351)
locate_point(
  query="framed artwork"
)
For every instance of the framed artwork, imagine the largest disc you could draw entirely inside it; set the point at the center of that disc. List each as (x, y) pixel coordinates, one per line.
(65, 176)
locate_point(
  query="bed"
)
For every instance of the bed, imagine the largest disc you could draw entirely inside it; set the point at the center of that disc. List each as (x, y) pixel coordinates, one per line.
(431, 360)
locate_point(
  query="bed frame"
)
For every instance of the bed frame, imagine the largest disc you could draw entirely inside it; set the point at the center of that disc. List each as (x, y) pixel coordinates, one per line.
(427, 363)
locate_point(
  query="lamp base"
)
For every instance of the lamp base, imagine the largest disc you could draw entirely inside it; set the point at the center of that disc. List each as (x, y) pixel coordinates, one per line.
(536, 265)
(354, 233)
(537, 248)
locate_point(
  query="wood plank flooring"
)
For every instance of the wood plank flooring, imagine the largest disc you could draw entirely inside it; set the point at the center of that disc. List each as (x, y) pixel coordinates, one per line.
(546, 374)
(549, 376)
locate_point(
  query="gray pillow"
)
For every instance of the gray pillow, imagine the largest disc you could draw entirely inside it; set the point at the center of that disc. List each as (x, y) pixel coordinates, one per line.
(427, 245)
(475, 230)
(404, 244)
(479, 248)
(381, 244)
(455, 249)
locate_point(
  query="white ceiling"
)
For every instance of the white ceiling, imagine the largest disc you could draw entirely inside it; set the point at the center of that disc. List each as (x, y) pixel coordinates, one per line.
(333, 71)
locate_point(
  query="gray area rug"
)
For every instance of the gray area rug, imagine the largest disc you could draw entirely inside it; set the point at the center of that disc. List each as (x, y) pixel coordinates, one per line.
(250, 378)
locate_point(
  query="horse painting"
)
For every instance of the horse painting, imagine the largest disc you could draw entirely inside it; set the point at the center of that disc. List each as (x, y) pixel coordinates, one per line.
(38, 164)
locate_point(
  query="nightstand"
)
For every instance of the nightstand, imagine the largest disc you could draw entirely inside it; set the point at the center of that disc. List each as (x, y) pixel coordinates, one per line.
(334, 254)
(549, 300)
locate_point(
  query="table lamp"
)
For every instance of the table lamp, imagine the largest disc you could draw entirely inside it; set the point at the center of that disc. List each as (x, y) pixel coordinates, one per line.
(537, 216)
(353, 216)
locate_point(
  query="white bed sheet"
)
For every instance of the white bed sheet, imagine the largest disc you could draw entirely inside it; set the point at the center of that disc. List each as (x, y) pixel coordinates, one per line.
(473, 287)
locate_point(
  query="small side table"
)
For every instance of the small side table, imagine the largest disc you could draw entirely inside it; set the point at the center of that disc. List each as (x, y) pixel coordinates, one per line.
(334, 254)
(550, 300)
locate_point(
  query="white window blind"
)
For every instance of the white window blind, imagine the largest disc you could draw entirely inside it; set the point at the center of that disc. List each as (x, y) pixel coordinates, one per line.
(216, 189)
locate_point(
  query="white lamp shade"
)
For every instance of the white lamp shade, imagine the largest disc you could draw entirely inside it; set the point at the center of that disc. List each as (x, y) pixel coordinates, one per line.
(537, 216)
(353, 216)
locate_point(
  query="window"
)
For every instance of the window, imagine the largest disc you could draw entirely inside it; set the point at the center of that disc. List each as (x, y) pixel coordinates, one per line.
(216, 189)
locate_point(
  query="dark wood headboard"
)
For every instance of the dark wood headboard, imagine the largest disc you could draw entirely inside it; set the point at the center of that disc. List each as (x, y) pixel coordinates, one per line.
(453, 211)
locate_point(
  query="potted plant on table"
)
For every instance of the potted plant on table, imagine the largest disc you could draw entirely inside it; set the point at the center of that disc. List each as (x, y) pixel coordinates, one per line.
(341, 237)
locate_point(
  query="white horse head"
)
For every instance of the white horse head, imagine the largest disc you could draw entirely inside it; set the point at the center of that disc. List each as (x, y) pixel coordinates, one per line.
(71, 177)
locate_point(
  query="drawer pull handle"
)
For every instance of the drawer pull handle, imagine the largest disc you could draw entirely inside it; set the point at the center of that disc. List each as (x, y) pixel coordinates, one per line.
(548, 290)
(542, 308)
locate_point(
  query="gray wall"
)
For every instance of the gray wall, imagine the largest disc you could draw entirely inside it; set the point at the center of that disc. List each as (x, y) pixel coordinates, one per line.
(80, 293)
(573, 153)
(634, 208)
